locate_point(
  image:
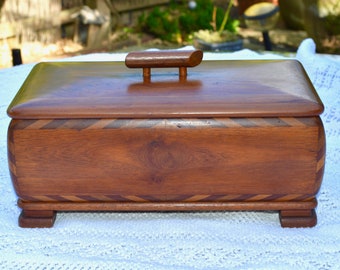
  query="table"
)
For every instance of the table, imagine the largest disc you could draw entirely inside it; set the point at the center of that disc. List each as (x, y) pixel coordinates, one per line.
(194, 240)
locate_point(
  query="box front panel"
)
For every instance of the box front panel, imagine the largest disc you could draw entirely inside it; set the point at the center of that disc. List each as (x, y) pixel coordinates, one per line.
(241, 159)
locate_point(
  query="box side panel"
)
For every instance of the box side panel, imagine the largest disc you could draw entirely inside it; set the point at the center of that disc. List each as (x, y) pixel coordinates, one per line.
(11, 156)
(166, 159)
(321, 155)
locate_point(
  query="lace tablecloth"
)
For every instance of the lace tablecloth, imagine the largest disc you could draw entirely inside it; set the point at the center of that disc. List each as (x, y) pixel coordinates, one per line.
(209, 240)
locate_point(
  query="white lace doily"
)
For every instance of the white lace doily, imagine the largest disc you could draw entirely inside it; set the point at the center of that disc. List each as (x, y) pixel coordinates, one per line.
(209, 240)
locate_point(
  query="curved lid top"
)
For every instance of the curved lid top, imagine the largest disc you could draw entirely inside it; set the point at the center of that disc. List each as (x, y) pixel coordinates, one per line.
(238, 88)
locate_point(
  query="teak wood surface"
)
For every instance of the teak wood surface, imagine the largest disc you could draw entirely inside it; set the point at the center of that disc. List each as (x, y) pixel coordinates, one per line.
(267, 88)
(232, 136)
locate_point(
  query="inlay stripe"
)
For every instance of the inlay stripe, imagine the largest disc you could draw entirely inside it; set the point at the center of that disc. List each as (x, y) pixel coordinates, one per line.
(243, 122)
(81, 124)
(228, 197)
(114, 123)
(293, 121)
(196, 198)
(321, 163)
(23, 124)
(135, 198)
(54, 124)
(308, 121)
(276, 122)
(98, 125)
(39, 124)
(173, 198)
(260, 122)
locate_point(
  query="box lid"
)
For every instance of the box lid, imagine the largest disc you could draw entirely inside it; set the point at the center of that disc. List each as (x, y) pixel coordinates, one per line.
(238, 88)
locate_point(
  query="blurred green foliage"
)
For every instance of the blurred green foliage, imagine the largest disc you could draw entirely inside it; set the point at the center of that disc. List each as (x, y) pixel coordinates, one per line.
(177, 22)
(332, 24)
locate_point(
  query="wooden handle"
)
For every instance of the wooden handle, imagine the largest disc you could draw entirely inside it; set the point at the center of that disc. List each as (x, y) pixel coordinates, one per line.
(164, 59)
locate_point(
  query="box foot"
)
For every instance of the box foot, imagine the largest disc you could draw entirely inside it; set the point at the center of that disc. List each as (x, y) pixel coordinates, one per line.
(298, 218)
(37, 219)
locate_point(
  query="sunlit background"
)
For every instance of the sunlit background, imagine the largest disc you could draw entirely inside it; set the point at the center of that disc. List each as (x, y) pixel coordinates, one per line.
(50, 29)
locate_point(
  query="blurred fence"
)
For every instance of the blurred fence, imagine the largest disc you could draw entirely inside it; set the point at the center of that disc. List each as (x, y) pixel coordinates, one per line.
(49, 21)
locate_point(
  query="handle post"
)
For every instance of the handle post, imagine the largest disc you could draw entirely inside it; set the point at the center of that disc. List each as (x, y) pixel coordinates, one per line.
(182, 72)
(147, 72)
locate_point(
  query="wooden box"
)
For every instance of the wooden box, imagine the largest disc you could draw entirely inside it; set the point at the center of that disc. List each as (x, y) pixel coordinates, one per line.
(229, 135)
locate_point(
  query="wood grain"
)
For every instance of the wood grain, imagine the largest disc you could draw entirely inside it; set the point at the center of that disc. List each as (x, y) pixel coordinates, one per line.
(235, 135)
(141, 157)
(268, 88)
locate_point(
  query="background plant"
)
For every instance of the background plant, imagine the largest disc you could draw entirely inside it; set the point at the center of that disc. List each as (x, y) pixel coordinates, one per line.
(177, 22)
